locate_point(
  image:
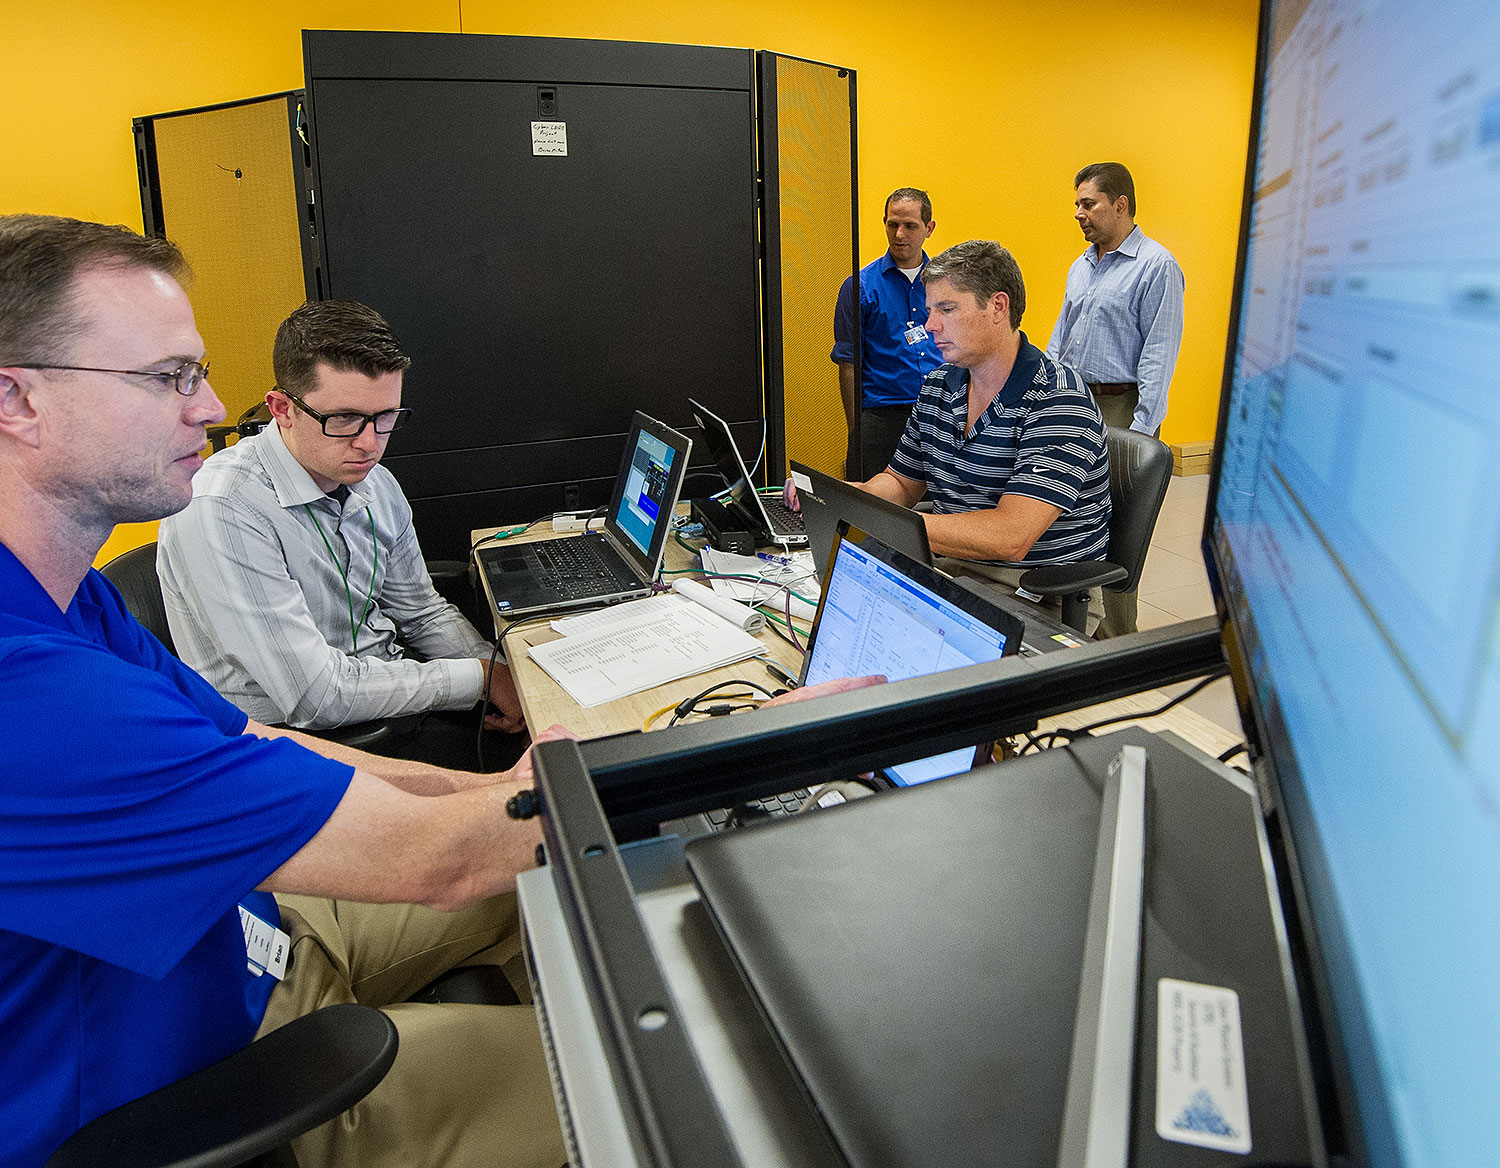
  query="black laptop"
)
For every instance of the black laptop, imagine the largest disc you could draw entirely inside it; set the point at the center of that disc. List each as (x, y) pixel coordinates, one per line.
(825, 500)
(771, 519)
(599, 567)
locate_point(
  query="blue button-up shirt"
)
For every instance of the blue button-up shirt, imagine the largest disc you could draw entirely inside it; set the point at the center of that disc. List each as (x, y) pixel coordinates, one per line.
(889, 306)
(1121, 320)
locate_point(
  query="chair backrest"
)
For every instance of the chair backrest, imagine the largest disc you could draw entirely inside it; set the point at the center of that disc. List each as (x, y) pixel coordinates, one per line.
(1140, 467)
(134, 574)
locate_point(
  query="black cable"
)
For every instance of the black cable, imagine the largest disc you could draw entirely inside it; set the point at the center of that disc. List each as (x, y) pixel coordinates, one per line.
(1083, 731)
(1237, 748)
(484, 703)
(686, 706)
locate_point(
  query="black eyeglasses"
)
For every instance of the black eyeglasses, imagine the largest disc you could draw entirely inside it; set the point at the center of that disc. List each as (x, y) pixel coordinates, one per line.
(347, 425)
(185, 379)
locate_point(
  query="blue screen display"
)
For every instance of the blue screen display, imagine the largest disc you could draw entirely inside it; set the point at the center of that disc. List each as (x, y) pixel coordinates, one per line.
(646, 488)
(1356, 531)
(875, 620)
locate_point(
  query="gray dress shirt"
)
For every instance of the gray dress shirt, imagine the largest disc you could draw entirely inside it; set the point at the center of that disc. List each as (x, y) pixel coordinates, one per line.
(269, 613)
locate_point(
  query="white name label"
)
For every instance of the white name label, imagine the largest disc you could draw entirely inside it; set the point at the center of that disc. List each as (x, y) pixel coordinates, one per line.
(266, 947)
(1201, 1095)
(549, 138)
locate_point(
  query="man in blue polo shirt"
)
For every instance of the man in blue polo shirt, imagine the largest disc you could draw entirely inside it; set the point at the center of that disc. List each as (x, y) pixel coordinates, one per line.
(1006, 443)
(894, 347)
(145, 823)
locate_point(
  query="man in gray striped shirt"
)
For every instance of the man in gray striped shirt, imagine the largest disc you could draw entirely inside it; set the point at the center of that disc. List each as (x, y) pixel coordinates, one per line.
(1006, 443)
(294, 583)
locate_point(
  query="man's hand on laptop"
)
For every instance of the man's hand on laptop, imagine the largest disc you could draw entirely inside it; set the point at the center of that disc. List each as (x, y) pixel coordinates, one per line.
(789, 496)
(507, 715)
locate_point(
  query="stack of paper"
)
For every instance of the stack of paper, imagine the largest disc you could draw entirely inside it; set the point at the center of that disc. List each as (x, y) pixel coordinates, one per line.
(632, 647)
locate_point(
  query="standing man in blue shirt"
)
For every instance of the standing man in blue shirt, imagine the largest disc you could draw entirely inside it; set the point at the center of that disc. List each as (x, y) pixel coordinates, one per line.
(1121, 322)
(893, 343)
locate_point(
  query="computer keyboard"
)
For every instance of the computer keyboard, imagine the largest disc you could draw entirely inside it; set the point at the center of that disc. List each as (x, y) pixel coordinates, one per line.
(771, 806)
(573, 568)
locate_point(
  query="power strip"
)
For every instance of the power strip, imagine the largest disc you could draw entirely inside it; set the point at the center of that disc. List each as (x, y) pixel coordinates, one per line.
(576, 522)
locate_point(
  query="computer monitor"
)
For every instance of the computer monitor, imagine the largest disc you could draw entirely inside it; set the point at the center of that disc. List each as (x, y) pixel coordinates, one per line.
(1353, 534)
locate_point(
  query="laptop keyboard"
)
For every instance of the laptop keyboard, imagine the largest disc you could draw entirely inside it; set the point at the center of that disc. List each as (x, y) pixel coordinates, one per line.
(773, 806)
(573, 567)
(783, 517)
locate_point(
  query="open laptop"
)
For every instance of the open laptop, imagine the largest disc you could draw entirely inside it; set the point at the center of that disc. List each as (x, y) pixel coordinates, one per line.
(771, 519)
(825, 500)
(606, 567)
(882, 612)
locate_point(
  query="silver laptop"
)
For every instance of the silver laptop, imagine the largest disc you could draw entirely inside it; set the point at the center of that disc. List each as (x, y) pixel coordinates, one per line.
(598, 568)
(772, 519)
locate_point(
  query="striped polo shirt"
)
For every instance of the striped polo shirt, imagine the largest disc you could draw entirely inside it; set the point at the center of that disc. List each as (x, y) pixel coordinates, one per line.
(1042, 437)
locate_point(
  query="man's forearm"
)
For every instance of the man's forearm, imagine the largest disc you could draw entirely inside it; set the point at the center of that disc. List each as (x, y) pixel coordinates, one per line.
(416, 778)
(894, 488)
(1005, 532)
(849, 392)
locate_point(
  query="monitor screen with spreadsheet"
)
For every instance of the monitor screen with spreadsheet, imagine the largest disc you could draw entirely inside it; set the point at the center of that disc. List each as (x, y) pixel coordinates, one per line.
(1354, 542)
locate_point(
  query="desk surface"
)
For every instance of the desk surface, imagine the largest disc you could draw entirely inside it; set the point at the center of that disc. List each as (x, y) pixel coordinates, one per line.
(545, 702)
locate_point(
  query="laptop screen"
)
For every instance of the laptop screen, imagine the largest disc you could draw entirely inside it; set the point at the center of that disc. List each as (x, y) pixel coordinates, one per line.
(646, 491)
(726, 455)
(876, 616)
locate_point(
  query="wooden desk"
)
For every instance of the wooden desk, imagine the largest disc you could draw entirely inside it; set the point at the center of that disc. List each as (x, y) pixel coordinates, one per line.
(545, 702)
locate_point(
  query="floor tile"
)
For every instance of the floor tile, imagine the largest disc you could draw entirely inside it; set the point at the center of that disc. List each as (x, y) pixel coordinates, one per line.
(1177, 522)
(1148, 616)
(1187, 546)
(1165, 570)
(1188, 602)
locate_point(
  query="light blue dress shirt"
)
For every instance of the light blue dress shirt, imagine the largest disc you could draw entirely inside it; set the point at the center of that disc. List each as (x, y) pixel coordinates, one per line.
(1121, 320)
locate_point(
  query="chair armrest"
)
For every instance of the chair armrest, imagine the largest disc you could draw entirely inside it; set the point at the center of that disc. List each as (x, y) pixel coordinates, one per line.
(257, 1099)
(1061, 579)
(359, 735)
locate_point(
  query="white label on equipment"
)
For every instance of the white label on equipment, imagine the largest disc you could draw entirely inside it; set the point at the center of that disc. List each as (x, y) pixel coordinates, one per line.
(549, 138)
(1201, 1096)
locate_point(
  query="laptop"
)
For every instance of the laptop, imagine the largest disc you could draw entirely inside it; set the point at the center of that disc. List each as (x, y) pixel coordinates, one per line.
(825, 500)
(882, 612)
(599, 567)
(770, 519)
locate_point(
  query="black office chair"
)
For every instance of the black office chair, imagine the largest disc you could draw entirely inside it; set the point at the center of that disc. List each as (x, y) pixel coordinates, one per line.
(134, 574)
(245, 1109)
(1140, 468)
(252, 421)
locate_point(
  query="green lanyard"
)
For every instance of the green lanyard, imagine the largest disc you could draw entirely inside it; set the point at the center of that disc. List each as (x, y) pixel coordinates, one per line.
(343, 572)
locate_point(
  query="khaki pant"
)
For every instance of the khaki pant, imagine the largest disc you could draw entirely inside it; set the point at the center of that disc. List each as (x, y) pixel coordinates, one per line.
(469, 1086)
(1000, 574)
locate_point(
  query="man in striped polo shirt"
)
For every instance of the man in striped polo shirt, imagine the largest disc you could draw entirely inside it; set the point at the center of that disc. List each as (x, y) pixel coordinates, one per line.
(1006, 443)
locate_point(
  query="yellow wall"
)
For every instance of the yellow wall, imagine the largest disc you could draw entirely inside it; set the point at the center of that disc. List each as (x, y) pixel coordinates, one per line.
(991, 107)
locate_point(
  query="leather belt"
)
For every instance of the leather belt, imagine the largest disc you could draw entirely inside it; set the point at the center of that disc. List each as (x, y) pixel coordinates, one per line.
(1111, 388)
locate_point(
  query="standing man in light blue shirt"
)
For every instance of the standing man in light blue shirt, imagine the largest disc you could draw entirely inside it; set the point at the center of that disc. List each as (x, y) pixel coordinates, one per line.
(1121, 319)
(1120, 324)
(894, 346)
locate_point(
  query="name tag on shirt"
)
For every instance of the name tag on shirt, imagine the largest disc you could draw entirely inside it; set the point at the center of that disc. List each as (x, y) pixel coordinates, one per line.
(915, 335)
(266, 947)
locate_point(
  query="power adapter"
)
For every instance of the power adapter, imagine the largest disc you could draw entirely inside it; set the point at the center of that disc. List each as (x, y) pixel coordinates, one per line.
(725, 532)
